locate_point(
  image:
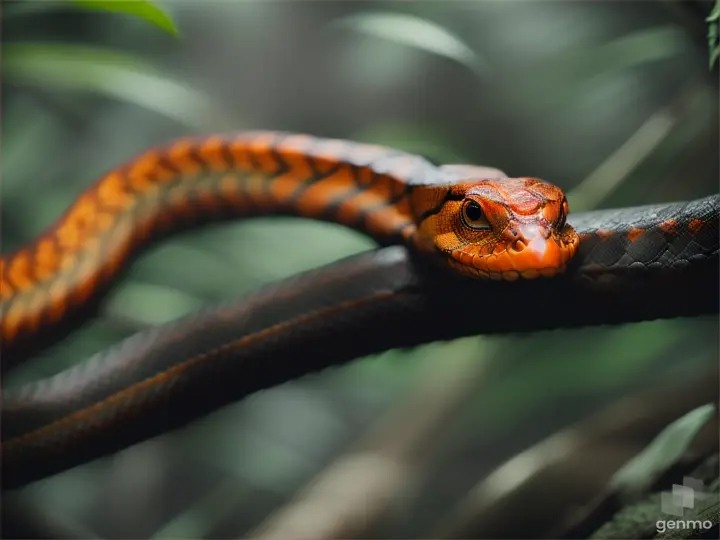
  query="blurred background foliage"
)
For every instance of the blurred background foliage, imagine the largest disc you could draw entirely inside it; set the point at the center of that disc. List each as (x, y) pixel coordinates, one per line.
(613, 101)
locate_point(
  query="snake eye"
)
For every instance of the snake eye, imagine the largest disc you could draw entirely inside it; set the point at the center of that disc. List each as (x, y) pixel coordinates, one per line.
(474, 217)
(562, 217)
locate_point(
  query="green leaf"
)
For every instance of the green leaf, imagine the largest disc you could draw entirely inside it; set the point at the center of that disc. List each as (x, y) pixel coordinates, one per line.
(415, 32)
(106, 72)
(713, 21)
(582, 71)
(629, 51)
(636, 477)
(147, 10)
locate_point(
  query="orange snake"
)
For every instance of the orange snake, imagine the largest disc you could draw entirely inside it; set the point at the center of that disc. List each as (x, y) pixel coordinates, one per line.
(479, 226)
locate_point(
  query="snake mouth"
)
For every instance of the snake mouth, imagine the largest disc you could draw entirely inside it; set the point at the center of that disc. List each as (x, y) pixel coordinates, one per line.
(520, 258)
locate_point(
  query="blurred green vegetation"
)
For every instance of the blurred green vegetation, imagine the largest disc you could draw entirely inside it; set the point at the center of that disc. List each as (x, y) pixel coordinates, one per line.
(148, 10)
(713, 35)
(611, 101)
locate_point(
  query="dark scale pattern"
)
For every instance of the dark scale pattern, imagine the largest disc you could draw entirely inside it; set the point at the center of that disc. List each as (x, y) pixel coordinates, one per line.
(652, 237)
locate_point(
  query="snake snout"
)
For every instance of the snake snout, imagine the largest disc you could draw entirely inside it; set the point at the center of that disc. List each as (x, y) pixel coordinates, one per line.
(534, 248)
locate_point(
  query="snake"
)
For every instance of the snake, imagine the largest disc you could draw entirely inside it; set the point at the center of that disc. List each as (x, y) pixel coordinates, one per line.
(462, 250)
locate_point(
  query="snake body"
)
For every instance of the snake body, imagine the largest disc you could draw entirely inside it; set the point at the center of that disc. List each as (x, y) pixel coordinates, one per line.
(470, 220)
(478, 226)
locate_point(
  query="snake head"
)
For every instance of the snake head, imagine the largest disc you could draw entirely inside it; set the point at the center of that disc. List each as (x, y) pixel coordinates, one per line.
(504, 228)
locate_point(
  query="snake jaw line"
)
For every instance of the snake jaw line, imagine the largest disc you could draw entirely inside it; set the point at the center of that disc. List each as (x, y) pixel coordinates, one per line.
(508, 275)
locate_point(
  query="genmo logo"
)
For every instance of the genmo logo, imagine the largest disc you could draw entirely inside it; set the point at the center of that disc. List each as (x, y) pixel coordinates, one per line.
(680, 524)
(683, 497)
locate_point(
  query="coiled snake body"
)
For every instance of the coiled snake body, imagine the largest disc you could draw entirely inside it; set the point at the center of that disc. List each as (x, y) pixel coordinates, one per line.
(464, 221)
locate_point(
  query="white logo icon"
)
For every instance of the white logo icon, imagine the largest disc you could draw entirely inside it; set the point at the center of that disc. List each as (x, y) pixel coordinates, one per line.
(683, 496)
